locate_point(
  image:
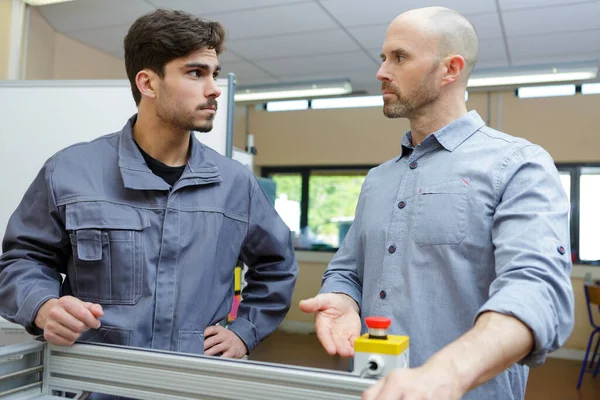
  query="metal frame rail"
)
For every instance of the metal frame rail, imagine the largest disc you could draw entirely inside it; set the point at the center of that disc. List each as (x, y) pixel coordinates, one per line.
(42, 371)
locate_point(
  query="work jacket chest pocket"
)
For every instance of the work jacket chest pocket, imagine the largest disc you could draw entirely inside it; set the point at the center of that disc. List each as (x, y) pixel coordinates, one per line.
(108, 252)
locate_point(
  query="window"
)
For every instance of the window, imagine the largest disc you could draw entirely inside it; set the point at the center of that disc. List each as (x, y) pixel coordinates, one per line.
(582, 184)
(288, 194)
(589, 215)
(317, 203)
(332, 201)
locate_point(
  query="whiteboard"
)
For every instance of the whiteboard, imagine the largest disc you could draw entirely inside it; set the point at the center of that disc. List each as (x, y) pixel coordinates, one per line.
(39, 118)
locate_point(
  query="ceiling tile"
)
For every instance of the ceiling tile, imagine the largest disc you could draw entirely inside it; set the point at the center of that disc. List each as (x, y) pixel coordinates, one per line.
(558, 60)
(228, 56)
(492, 49)
(319, 64)
(202, 8)
(487, 26)
(555, 44)
(88, 14)
(370, 37)
(508, 5)
(384, 11)
(303, 17)
(552, 19)
(491, 64)
(244, 71)
(109, 39)
(303, 44)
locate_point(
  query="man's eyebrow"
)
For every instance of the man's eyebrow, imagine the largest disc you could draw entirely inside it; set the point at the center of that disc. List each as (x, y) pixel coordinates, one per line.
(203, 66)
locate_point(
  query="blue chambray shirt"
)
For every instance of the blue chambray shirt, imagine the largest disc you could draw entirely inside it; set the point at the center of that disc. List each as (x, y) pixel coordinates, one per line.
(159, 259)
(470, 220)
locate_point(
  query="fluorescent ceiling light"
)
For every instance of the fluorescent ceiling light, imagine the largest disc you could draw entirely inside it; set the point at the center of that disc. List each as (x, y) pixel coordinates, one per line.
(590, 88)
(347, 102)
(546, 91)
(506, 79)
(36, 3)
(290, 105)
(293, 90)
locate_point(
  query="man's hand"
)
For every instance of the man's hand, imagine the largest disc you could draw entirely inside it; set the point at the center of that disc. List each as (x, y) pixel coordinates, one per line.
(337, 321)
(495, 343)
(416, 384)
(218, 340)
(64, 320)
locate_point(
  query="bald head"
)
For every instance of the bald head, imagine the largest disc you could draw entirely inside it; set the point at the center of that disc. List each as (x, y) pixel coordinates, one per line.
(452, 31)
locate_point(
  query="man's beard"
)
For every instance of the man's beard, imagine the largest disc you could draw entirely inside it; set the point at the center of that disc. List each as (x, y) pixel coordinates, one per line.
(174, 113)
(404, 107)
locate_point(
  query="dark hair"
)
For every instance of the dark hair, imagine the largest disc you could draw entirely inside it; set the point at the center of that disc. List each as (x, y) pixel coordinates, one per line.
(161, 36)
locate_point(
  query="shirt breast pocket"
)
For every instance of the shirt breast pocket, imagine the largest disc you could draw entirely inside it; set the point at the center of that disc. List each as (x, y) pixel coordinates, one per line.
(442, 213)
(107, 262)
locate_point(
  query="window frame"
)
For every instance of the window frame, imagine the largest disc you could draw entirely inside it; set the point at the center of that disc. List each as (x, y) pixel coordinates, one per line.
(575, 170)
(305, 173)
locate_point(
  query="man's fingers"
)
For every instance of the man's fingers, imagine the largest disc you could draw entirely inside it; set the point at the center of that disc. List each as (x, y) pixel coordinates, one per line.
(213, 330)
(213, 341)
(56, 339)
(309, 305)
(59, 316)
(373, 391)
(217, 349)
(95, 309)
(62, 331)
(324, 334)
(229, 354)
(59, 335)
(343, 345)
(77, 308)
(317, 303)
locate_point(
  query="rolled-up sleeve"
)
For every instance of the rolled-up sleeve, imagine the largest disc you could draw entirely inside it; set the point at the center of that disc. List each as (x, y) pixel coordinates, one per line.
(35, 250)
(272, 272)
(530, 233)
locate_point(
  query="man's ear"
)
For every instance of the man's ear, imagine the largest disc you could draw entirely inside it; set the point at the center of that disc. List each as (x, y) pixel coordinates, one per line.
(455, 66)
(147, 83)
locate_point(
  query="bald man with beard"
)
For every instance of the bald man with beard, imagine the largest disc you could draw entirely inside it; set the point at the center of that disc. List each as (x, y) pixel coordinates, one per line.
(462, 239)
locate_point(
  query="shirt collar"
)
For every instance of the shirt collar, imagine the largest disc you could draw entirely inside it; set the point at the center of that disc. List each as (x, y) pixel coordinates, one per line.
(137, 175)
(451, 135)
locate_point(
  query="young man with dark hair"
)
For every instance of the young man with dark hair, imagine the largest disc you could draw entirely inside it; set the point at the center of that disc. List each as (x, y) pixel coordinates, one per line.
(147, 224)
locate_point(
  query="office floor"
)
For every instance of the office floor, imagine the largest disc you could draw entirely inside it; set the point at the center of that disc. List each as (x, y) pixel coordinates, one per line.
(556, 380)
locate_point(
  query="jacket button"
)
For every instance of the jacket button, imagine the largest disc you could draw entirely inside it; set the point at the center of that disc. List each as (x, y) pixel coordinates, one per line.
(392, 249)
(401, 205)
(413, 165)
(382, 294)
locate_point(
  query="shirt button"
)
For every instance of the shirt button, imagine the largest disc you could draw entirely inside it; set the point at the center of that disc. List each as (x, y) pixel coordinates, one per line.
(392, 249)
(382, 294)
(561, 250)
(413, 165)
(401, 205)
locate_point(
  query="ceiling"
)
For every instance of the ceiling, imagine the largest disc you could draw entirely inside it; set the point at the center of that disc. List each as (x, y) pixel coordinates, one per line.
(273, 41)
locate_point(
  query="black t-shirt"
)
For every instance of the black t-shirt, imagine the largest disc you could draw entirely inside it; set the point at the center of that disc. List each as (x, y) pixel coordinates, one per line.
(167, 173)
